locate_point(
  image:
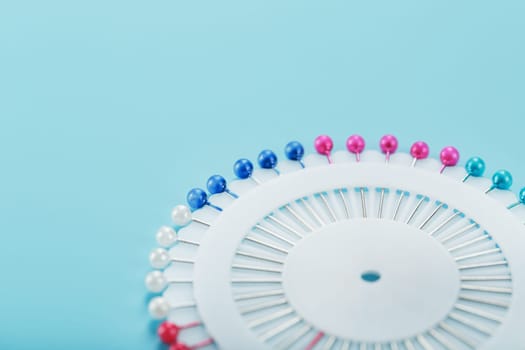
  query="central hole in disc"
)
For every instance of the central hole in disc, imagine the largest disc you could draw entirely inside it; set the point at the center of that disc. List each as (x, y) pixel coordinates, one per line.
(370, 276)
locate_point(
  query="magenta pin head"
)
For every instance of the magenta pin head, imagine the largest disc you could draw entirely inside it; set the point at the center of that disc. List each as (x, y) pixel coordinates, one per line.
(419, 150)
(323, 145)
(355, 144)
(388, 144)
(449, 156)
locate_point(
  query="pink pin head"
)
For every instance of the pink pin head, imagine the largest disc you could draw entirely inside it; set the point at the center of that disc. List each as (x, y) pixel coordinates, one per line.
(419, 150)
(323, 145)
(355, 144)
(388, 145)
(449, 156)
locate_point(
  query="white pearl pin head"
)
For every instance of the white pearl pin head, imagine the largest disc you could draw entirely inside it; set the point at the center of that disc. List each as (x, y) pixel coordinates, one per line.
(181, 215)
(158, 308)
(159, 258)
(156, 282)
(166, 236)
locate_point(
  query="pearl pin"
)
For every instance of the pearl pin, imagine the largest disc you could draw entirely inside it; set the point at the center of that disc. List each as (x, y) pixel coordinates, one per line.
(475, 167)
(217, 184)
(168, 332)
(159, 258)
(267, 159)
(323, 145)
(159, 307)
(181, 216)
(197, 198)
(388, 145)
(355, 144)
(419, 151)
(166, 236)
(449, 157)
(501, 180)
(155, 281)
(243, 169)
(294, 151)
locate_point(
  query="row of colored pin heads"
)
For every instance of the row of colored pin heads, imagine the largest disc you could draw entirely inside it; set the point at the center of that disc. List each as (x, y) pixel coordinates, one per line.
(267, 159)
(323, 144)
(388, 144)
(501, 180)
(243, 169)
(449, 156)
(197, 198)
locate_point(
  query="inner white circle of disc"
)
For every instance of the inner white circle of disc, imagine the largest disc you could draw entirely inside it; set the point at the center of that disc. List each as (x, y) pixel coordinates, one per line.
(322, 279)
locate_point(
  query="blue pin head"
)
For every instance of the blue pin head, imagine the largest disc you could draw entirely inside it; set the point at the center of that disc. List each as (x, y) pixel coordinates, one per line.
(475, 166)
(267, 159)
(196, 198)
(522, 196)
(294, 151)
(502, 180)
(243, 168)
(216, 184)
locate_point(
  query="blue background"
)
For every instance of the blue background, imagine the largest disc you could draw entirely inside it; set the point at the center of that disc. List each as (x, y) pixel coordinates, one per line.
(111, 110)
